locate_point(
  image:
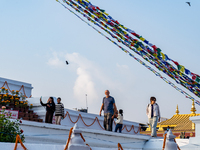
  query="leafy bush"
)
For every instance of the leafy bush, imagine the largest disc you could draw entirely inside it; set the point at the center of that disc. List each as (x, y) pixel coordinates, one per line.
(9, 129)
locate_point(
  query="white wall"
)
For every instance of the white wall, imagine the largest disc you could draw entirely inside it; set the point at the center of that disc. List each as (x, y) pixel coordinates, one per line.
(43, 133)
(16, 85)
(10, 146)
(88, 118)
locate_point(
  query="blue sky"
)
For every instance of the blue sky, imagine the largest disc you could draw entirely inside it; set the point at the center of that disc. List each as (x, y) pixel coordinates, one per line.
(38, 36)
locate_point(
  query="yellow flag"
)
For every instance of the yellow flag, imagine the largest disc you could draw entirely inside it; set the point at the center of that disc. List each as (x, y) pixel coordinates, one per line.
(184, 82)
(125, 32)
(163, 56)
(132, 44)
(139, 48)
(182, 69)
(105, 13)
(142, 39)
(154, 55)
(121, 25)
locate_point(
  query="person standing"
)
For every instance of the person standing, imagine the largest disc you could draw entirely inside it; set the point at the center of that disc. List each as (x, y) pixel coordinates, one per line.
(110, 109)
(50, 108)
(59, 111)
(153, 113)
(119, 121)
(166, 130)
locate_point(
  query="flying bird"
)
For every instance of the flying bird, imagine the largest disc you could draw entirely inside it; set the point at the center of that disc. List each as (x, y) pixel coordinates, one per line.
(67, 62)
(188, 3)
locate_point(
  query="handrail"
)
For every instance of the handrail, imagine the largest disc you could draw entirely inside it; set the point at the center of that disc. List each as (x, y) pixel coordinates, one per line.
(18, 139)
(84, 140)
(69, 138)
(119, 146)
(164, 141)
(177, 145)
(96, 119)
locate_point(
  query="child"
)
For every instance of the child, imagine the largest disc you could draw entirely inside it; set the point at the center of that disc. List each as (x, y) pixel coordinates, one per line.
(119, 121)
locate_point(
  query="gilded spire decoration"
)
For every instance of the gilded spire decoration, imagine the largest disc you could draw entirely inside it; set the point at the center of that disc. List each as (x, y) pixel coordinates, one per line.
(177, 111)
(193, 109)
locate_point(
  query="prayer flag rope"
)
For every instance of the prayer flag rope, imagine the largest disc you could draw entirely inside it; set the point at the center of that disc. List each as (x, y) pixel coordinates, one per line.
(123, 31)
(139, 53)
(163, 66)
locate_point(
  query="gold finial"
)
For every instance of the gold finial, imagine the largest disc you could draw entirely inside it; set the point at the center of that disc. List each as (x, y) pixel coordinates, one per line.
(193, 109)
(177, 111)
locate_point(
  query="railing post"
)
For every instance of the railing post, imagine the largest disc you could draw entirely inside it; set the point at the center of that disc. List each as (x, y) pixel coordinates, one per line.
(76, 142)
(170, 143)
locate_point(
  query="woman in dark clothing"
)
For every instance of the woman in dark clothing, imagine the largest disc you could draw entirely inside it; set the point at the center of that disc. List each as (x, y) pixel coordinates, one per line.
(50, 108)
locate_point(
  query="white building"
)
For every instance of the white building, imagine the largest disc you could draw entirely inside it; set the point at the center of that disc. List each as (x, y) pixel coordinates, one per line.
(22, 87)
(53, 137)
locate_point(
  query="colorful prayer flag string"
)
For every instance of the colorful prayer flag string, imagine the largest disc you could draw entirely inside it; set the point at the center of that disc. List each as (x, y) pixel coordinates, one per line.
(123, 31)
(163, 66)
(148, 67)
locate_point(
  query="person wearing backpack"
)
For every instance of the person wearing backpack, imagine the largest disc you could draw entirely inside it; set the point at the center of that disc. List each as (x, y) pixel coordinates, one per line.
(153, 113)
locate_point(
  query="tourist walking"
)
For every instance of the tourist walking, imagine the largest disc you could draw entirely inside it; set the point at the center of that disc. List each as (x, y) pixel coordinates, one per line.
(119, 121)
(59, 111)
(110, 109)
(153, 113)
(50, 108)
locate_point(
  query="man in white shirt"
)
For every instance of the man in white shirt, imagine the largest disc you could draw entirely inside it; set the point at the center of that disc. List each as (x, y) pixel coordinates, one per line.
(153, 113)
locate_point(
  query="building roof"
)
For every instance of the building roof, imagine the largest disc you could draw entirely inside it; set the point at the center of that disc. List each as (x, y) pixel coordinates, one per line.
(180, 121)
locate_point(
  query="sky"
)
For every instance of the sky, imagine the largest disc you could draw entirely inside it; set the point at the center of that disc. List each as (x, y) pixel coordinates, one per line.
(37, 37)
